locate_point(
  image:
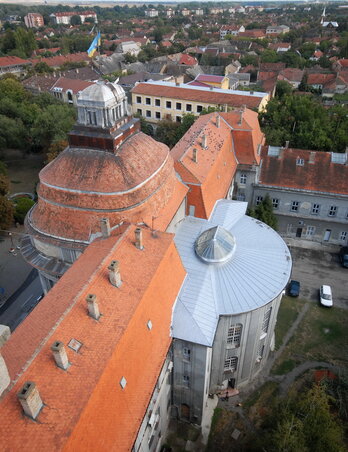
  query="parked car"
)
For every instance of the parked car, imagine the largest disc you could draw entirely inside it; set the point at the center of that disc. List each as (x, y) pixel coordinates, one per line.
(294, 288)
(343, 255)
(325, 294)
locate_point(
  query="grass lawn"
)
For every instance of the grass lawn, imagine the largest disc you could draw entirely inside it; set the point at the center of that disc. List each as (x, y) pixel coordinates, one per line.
(321, 336)
(288, 311)
(24, 173)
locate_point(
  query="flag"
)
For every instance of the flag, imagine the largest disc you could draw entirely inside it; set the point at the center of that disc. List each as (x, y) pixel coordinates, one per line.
(93, 47)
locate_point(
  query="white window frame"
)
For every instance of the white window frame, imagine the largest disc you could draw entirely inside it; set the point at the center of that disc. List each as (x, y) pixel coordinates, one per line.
(234, 334)
(243, 179)
(343, 236)
(258, 200)
(294, 206)
(315, 209)
(332, 211)
(266, 320)
(310, 231)
(231, 362)
(275, 203)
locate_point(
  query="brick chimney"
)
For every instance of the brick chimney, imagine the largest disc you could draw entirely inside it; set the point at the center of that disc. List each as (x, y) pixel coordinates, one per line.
(105, 227)
(30, 399)
(139, 239)
(92, 305)
(218, 121)
(204, 141)
(195, 155)
(59, 355)
(114, 273)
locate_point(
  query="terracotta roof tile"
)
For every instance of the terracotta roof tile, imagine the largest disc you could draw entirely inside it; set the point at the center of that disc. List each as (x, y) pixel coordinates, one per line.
(86, 404)
(204, 95)
(12, 61)
(322, 175)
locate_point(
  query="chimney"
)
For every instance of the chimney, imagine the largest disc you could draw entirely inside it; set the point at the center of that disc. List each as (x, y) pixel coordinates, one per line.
(92, 305)
(5, 380)
(195, 155)
(225, 108)
(105, 227)
(311, 157)
(204, 141)
(240, 120)
(114, 273)
(139, 239)
(286, 144)
(30, 399)
(77, 70)
(218, 121)
(211, 88)
(59, 355)
(177, 83)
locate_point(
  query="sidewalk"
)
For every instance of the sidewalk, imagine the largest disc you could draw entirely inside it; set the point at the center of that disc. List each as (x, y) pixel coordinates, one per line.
(13, 268)
(308, 244)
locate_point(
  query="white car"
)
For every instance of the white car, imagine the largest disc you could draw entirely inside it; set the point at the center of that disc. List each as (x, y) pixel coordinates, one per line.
(325, 294)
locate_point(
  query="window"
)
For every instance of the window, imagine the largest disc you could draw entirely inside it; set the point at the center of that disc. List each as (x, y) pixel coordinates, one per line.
(275, 203)
(266, 319)
(178, 105)
(233, 334)
(230, 361)
(343, 236)
(199, 108)
(299, 162)
(315, 209)
(178, 118)
(157, 102)
(168, 104)
(243, 178)
(240, 196)
(332, 211)
(158, 115)
(260, 351)
(92, 117)
(186, 352)
(140, 111)
(138, 100)
(310, 231)
(186, 380)
(148, 113)
(294, 206)
(258, 200)
(188, 107)
(148, 100)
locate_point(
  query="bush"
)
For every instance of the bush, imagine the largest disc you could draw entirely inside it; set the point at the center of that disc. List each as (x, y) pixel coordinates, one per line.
(22, 206)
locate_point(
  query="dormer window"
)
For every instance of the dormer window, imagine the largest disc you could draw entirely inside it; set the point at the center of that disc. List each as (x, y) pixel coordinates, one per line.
(299, 161)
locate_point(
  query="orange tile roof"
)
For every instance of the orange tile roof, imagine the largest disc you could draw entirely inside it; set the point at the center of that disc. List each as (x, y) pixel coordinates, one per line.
(75, 85)
(213, 97)
(12, 61)
(322, 175)
(215, 166)
(85, 406)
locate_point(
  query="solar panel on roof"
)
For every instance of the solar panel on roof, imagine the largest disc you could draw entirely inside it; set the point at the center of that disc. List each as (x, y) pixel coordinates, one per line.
(338, 157)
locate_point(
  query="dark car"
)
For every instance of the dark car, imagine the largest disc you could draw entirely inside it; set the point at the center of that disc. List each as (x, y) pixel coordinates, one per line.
(343, 255)
(294, 288)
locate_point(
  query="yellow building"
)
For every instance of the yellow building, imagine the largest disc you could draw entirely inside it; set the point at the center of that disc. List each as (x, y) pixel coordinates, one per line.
(162, 100)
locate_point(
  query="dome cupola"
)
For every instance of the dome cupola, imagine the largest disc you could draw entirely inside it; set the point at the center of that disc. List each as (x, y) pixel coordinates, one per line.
(215, 245)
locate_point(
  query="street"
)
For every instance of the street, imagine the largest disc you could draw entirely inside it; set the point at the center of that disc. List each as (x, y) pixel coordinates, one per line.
(18, 306)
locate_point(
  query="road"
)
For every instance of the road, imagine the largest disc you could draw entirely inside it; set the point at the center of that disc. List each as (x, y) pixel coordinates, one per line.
(316, 267)
(18, 306)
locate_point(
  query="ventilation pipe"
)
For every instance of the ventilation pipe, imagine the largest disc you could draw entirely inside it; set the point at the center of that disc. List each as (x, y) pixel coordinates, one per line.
(204, 141)
(195, 155)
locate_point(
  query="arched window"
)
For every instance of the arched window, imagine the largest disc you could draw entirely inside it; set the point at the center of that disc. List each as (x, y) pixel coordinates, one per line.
(70, 97)
(231, 361)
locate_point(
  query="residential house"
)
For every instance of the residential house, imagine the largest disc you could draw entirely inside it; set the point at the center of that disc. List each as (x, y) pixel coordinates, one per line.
(13, 65)
(319, 80)
(277, 29)
(233, 30)
(152, 12)
(68, 90)
(291, 75)
(280, 47)
(64, 18)
(316, 55)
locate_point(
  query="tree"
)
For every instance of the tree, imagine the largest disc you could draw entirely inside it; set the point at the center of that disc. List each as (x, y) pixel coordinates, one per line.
(22, 206)
(4, 185)
(270, 56)
(129, 58)
(6, 213)
(283, 88)
(75, 20)
(55, 149)
(264, 213)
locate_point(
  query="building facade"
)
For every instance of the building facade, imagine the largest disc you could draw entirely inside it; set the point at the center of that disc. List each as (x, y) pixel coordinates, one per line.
(34, 20)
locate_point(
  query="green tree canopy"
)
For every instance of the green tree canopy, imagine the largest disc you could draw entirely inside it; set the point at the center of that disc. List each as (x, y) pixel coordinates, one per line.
(22, 206)
(264, 212)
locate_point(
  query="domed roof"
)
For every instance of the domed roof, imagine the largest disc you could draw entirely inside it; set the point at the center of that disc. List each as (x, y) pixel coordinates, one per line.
(215, 245)
(83, 185)
(101, 93)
